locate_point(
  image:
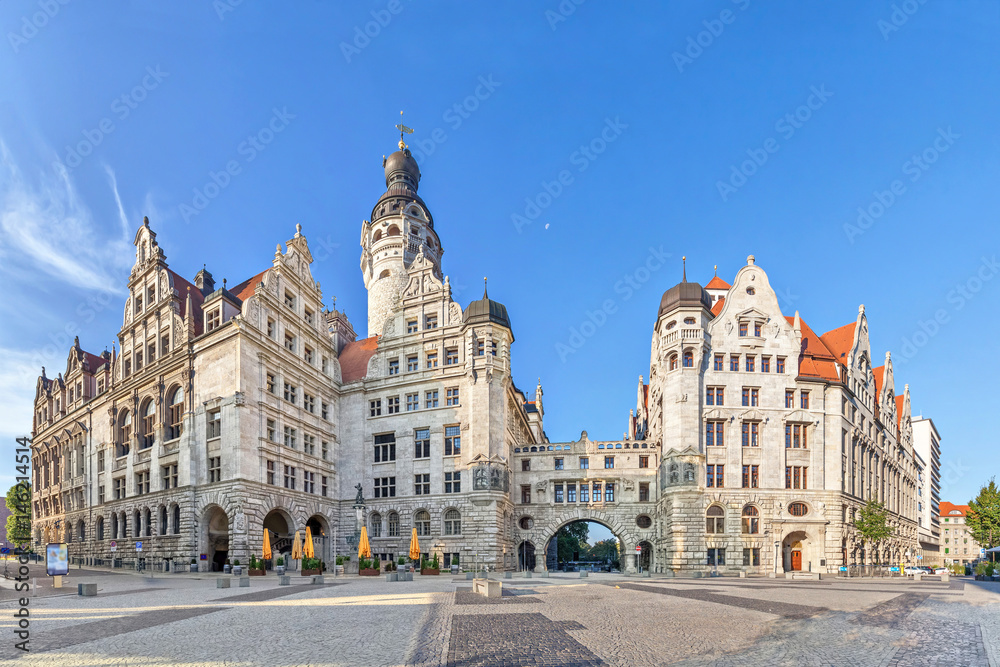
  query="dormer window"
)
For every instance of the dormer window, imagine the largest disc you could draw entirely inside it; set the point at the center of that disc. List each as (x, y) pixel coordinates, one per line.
(214, 319)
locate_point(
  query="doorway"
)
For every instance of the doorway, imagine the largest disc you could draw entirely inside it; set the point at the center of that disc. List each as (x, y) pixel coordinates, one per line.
(796, 560)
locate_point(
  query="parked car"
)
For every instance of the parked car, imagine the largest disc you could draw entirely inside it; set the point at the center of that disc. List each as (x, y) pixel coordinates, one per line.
(912, 569)
(941, 570)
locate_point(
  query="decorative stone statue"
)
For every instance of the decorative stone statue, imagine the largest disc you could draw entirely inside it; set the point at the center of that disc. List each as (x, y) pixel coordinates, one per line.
(360, 499)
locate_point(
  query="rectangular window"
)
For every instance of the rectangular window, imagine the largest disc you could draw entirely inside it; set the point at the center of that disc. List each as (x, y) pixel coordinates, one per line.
(141, 483)
(307, 315)
(609, 492)
(734, 362)
(325, 411)
(644, 461)
(375, 408)
(150, 354)
(308, 481)
(780, 365)
(411, 326)
(719, 363)
(795, 477)
(119, 485)
(795, 436)
(716, 556)
(451, 356)
(525, 465)
(744, 327)
(756, 329)
(289, 342)
(805, 400)
(290, 437)
(643, 492)
(571, 493)
(272, 427)
(309, 444)
(421, 443)
(213, 425)
(597, 492)
(584, 462)
(290, 300)
(765, 364)
(271, 471)
(525, 494)
(271, 384)
(392, 405)
(558, 490)
(394, 367)
(325, 451)
(751, 557)
(451, 396)
(453, 482)
(412, 402)
(309, 403)
(214, 469)
(750, 433)
(713, 434)
(385, 447)
(452, 440)
(291, 392)
(754, 397)
(412, 364)
(385, 487)
(431, 399)
(789, 398)
(432, 360)
(323, 490)
(307, 354)
(584, 492)
(751, 362)
(609, 462)
(100, 494)
(746, 396)
(290, 477)
(431, 321)
(716, 476)
(100, 461)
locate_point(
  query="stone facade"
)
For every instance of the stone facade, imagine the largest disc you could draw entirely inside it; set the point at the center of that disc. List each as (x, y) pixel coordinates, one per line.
(225, 412)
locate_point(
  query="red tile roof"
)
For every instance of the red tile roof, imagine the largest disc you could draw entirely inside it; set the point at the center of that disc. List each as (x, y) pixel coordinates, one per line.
(354, 358)
(184, 287)
(717, 283)
(717, 306)
(840, 340)
(93, 361)
(946, 509)
(816, 359)
(879, 374)
(899, 410)
(245, 289)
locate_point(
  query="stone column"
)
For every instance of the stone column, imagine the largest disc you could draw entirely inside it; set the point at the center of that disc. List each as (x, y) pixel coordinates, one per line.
(632, 560)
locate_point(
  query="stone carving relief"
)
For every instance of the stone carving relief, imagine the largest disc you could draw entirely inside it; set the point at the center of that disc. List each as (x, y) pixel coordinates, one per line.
(455, 313)
(389, 328)
(374, 367)
(253, 312)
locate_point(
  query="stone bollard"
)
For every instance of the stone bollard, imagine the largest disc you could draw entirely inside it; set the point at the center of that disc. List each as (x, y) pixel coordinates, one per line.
(86, 590)
(584, 574)
(470, 576)
(245, 581)
(285, 580)
(527, 574)
(392, 576)
(646, 574)
(317, 579)
(743, 574)
(916, 577)
(508, 575)
(544, 574)
(945, 578)
(222, 582)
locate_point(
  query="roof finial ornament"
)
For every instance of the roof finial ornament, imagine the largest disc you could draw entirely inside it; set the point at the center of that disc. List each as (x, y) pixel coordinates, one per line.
(484, 287)
(223, 283)
(750, 260)
(335, 303)
(684, 259)
(298, 230)
(402, 130)
(716, 267)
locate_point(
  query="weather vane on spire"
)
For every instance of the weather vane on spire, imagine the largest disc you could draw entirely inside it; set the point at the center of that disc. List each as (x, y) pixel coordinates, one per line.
(402, 130)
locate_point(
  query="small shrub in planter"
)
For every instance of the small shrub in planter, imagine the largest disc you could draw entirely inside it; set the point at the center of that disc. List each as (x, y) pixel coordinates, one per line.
(368, 568)
(311, 566)
(279, 566)
(256, 567)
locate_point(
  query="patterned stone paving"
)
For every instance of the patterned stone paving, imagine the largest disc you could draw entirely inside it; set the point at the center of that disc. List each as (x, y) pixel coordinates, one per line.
(514, 640)
(465, 596)
(270, 594)
(787, 610)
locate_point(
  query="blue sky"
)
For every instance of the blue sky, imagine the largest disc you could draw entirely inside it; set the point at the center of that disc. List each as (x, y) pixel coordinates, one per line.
(582, 142)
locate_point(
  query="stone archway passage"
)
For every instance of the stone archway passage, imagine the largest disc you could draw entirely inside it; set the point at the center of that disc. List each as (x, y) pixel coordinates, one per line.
(216, 536)
(278, 523)
(526, 556)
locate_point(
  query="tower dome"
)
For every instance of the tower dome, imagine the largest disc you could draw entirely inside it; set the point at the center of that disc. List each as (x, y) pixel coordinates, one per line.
(402, 177)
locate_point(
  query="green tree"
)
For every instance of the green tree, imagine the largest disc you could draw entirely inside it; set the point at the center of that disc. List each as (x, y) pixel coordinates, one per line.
(571, 538)
(605, 550)
(872, 524)
(983, 517)
(19, 522)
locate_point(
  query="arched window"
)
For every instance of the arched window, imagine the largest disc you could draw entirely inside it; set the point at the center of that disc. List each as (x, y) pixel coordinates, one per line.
(148, 516)
(124, 433)
(526, 523)
(69, 533)
(175, 413)
(393, 524)
(392, 231)
(123, 525)
(422, 522)
(100, 528)
(688, 359)
(751, 520)
(689, 320)
(163, 519)
(137, 524)
(384, 274)
(81, 530)
(177, 519)
(148, 428)
(375, 524)
(715, 520)
(377, 235)
(114, 526)
(673, 362)
(798, 509)
(452, 522)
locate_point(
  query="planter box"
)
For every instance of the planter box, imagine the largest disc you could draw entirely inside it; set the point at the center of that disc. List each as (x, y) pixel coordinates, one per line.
(369, 572)
(256, 573)
(392, 576)
(309, 573)
(429, 570)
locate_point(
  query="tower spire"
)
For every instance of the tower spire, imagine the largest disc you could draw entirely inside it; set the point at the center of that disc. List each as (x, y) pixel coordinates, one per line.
(684, 259)
(484, 288)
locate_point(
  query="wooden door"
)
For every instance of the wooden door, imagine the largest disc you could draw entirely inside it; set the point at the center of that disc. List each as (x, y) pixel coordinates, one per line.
(796, 560)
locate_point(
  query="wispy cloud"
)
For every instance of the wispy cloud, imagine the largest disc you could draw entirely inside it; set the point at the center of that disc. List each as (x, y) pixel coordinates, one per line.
(45, 225)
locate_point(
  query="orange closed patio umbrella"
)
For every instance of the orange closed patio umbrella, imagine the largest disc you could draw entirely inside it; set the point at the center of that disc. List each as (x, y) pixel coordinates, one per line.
(414, 546)
(364, 548)
(267, 545)
(297, 546)
(308, 550)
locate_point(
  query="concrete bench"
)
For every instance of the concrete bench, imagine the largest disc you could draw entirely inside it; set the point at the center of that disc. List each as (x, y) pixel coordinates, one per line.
(945, 578)
(797, 574)
(489, 588)
(86, 590)
(285, 580)
(245, 582)
(223, 582)
(584, 574)
(317, 579)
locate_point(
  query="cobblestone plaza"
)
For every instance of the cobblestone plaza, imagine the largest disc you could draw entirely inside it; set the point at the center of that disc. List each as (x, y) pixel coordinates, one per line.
(556, 620)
